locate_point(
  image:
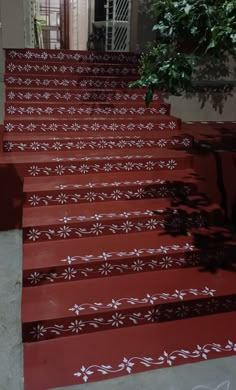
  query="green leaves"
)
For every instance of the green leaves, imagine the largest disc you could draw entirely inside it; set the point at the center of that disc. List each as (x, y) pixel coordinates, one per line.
(186, 30)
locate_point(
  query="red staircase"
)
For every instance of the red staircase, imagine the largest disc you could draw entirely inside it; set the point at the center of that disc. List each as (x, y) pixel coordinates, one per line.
(117, 225)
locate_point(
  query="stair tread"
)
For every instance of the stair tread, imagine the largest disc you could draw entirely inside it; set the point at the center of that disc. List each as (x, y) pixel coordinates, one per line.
(45, 367)
(53, 183)
(99, 211)
(61, 297)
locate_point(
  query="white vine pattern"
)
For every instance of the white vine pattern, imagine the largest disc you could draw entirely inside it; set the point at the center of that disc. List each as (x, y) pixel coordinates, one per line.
(96, 144)
(222, 386)
(94, 126)
(148, 299)
(167, 358)
(82, 96)
(36, 170)
(73, 56)
(109, 70)
(89, 110)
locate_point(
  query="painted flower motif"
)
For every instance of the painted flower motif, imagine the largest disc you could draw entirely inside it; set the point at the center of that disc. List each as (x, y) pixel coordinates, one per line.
(38, 331)
(34, 200)
(48, 110)
(163, 192)
(11, 110)
(151, 224)
(71, 110)
(107, 167)
(11, 95)
(116, 195)
(127, 226)
(57, 145)
(34, 234)
(28, 96)
(53, 127)
(64, 231)
(162, 143)
(9, 127)
(84, 168)
(138, 265)
(149, 166)
(152, 315)
(127, 365)
(67, 96)
(28, 55)
(44, 55)
(90, 196)
(97, 229)
(60, 169)
(34, 278)
(171, 164)
(69, 273)
(76, 326)
(61, 56)
(117, 319)
(167, 358)
(129, 166)
(106, 269)
(105, 256)
(162, 111)
(8, 146)
(166, 262)
(186, 142)
(172, 125)
(34, 170)
(35, 145)
(11, 67)
(62, 198)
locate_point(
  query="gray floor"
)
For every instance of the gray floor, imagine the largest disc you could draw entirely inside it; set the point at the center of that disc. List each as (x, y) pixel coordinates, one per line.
(217, 374)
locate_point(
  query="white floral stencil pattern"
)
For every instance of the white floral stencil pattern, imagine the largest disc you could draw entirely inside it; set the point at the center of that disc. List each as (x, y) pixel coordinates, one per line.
(128, 365)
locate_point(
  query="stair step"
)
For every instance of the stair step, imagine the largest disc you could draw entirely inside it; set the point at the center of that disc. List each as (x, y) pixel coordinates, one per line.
(116, 217)
(124, 185)
(72, 81)
(77, 56)
(71, 141)
(113, 125)
(70, 163)
(28, 109)
(106, 355)
(17, 67)
(66, 261)
(101, 304)
(66, 95)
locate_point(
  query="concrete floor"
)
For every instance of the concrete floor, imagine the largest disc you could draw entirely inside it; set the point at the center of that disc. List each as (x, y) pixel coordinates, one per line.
(217, 374)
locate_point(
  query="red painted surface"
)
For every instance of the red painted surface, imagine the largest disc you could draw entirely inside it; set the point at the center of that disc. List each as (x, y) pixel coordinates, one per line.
(127, 262)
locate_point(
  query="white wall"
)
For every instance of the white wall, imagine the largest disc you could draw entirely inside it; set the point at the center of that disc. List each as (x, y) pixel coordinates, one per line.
(13, 34)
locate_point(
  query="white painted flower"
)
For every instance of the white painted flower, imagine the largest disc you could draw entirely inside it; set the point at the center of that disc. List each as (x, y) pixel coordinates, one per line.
(149, 126)
(113, 126)
(75, 127)
(35, 145)
(90, 196)
(27, 68)
(34, 278)
(152, 315)
(69, 273)
(84, 168)
(11, 95)
(105, 256)
(67, 96)
(62, 198)
(9, 127)
(116, 195)
(63, 69)
(61, 56)
(49, 110)
(38, 331)
(80, 145)
(141, 111)
(171, 164)
(28, 55)
(33, 234)
(11, 110)
(127, 226)
(138, 265)
(166, 262)
(106, 269)
(57, 145)
(8, 146)
(11, 67)
(76, 326)
(149, 166)
(31, 127)
(168, 358)
(53, 127)
(64, 231)
(163, 192)
(44, 55)
(107, 167)
(151, 224)
(140, 143)
(128, 166)
(34, 200)
(60, 169)
(71, 110)
(34, 170)
(186, 142)
(162, 143)
(117, 319)
(163, 111)
(97, 228)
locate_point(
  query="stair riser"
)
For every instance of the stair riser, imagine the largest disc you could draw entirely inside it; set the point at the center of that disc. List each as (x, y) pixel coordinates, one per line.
(109, 193)
(67, 167)
(181, 143)
(137, 315)
(171, 224)
(28, 110)
(71, 56)
(72, 82)
(89, 127)
(18, 68)
(65, 96)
